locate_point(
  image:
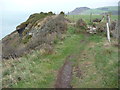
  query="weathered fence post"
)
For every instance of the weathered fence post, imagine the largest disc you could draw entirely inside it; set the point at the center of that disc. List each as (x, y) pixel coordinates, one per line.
(90, 17)
(108, 29)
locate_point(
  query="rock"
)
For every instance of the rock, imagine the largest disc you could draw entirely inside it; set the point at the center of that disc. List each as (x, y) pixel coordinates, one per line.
(41, 31)
(91, 29)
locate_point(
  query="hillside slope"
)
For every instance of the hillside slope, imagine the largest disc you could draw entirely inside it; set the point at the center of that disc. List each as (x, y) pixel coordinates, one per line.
(101, 10)
(39, 31)
(78, 11)
(59, 54)
(89, 68)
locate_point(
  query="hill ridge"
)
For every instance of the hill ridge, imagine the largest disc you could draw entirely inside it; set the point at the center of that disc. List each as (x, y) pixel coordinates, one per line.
(99, 10)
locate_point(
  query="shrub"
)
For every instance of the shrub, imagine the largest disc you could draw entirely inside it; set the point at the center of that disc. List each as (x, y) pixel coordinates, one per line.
(50, 13)
(26, 39)
(80, 25)
(101, 27)
(8, 52)
(46, 49)
(46, 34)
(62, 13)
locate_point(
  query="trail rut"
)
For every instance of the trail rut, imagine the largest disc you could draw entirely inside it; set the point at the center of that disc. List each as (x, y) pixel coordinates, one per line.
(64, 76)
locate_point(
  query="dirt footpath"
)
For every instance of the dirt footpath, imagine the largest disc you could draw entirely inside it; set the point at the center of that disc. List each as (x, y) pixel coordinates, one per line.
(64, 76)
(65, 73)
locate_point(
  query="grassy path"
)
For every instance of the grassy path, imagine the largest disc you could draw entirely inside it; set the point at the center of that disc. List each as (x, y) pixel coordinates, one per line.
(36, 70)
(64, 76)
(97, 66)
(94, 64)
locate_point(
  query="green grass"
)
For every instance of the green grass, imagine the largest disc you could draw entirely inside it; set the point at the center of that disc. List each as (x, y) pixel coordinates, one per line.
(26, 39)
(96, 59)
(41, 70)
(34, 18)
(94, 11)
(100, 10)
(111, 8)
(87, 17)
(98, 64)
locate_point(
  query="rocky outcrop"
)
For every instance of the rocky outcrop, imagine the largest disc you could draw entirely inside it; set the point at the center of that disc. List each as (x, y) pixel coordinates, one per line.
(42, 31)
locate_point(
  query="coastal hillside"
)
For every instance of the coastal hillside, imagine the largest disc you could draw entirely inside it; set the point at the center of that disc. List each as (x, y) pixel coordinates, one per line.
(61, 51)
(38, 30)
(85, 10)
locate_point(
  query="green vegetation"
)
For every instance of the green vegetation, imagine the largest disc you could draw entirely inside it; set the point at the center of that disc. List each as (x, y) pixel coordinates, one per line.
(94, 11)
(35, 17)
(87, 17)
(41, 70)
(98, 64)
(112, 9)
(62, 13)
(26, 39)
(96, 58)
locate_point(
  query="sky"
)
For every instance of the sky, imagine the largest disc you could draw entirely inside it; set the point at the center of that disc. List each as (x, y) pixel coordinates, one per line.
(14, 12)
(54, 5)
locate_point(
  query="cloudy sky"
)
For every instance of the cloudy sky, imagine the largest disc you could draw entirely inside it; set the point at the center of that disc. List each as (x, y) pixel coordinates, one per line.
(54, 5)
(13, 12)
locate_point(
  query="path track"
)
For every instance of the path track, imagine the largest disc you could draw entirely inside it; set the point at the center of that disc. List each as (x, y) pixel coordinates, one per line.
(64, 76)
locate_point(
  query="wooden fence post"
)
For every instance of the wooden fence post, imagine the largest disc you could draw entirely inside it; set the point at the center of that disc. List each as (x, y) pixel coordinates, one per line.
(108, 29)
(90, 17)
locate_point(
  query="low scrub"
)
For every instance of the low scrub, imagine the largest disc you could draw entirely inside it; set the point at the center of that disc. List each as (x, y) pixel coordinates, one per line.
(81, 25)
(50, 31)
